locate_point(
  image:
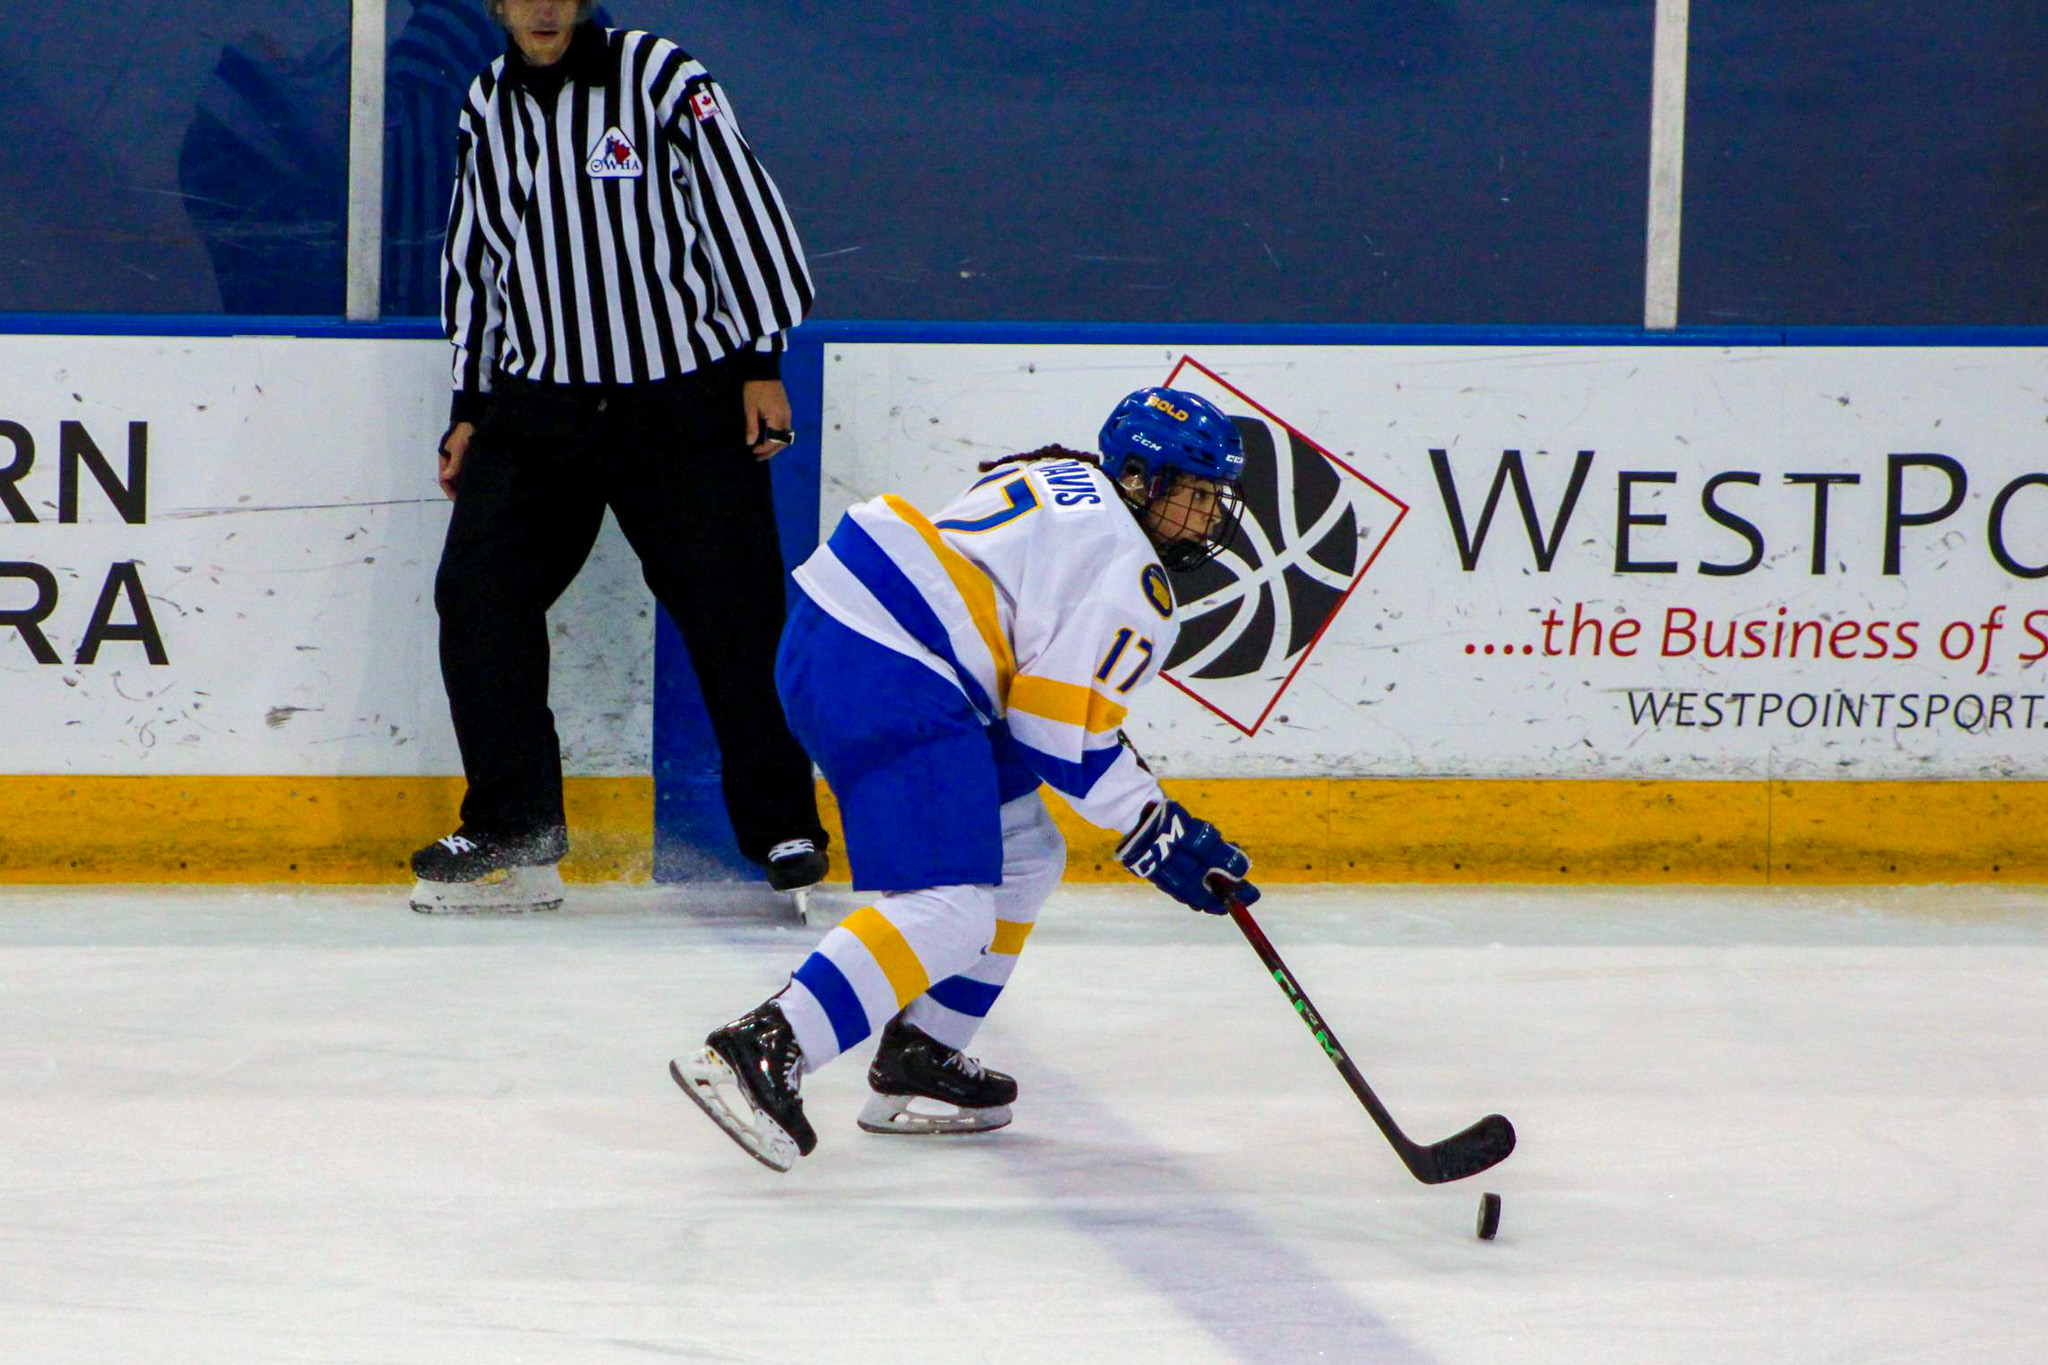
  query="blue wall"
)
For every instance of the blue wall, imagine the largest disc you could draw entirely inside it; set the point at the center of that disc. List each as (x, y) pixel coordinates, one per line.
(133, 141)
(1258, 161)
(1872, 162)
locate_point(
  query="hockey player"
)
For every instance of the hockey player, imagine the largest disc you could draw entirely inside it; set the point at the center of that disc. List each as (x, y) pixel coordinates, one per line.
(939, 669)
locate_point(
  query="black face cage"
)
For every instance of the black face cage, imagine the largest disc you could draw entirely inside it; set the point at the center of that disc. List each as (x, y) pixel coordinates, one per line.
(1181, 556)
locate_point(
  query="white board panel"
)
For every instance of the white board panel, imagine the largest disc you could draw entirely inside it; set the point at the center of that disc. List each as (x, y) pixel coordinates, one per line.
(284, 537)
(1780, 503)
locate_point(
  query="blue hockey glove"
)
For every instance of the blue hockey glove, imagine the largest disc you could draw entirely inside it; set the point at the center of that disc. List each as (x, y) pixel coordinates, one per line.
(1187, 859)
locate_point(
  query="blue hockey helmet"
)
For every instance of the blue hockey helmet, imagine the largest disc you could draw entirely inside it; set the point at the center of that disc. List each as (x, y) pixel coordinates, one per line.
(1173, 433)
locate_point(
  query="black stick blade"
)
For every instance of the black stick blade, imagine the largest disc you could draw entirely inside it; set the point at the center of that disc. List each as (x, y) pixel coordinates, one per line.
(1484, 1145)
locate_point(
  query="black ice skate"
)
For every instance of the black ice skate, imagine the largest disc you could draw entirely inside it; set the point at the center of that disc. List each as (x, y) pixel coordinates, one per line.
(469, 873)
(795, 866)
(911, 1065)
(745, 1079)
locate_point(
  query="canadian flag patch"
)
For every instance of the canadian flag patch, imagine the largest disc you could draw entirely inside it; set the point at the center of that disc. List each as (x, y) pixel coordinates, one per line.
(613, 158)
(704, 104)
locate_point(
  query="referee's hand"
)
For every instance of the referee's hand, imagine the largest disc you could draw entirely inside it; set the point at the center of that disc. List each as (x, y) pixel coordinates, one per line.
(767, 407)
(454, 446)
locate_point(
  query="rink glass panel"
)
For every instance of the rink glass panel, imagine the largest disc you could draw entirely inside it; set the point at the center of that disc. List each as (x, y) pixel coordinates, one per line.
(1412, 161)
(175, 158)
(1448, 161)
(1876, 164)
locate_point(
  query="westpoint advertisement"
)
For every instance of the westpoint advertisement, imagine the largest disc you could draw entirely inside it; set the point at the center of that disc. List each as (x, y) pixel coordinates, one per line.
(1558, 562)
(1653, 562)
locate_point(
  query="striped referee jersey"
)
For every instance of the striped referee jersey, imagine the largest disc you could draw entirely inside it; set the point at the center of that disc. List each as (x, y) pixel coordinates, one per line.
(611, 225)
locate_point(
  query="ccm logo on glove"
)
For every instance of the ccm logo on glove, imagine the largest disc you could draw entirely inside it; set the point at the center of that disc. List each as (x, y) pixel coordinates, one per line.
(1187, 859)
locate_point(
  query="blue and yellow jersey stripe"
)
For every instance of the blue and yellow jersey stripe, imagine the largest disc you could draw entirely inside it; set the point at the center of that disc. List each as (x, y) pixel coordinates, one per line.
(1033, 597)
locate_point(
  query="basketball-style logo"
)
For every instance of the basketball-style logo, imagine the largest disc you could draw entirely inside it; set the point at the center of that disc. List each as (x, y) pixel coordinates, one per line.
(1311, 528)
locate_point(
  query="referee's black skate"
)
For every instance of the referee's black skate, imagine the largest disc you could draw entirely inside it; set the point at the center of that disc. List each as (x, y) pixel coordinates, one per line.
(472, 873)
(910, 1065)
(795, 866)
(745, 1078)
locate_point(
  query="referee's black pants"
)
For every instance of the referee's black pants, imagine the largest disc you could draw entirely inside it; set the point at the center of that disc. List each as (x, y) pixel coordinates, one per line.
(671, 462)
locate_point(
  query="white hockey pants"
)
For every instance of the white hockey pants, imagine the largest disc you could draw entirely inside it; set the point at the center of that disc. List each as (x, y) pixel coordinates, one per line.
(944, 953)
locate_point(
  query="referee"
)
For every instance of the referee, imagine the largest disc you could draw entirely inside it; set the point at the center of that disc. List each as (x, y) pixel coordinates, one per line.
(618, 277)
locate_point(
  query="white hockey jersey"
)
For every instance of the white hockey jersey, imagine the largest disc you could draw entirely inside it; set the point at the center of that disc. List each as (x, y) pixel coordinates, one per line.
(1036, 593)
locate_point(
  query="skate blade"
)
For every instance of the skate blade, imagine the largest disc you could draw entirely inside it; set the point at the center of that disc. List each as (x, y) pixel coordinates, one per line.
(710, 1084)
(513, 891)
(801, 899)
(893, 1115)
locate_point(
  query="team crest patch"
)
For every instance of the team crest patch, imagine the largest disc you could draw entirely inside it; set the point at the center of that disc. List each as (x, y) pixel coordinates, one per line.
(1157, 591)
(613, 158)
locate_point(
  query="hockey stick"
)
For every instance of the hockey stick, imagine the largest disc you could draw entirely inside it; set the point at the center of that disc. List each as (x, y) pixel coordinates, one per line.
(1486, 1143)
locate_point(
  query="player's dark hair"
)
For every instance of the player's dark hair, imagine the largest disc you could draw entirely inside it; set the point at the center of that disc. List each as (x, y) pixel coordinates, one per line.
(1042, 453)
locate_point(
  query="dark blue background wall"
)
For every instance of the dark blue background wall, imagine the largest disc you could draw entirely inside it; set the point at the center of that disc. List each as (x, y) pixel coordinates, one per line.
(1867, 162)
(113, 172)
(1459, 161)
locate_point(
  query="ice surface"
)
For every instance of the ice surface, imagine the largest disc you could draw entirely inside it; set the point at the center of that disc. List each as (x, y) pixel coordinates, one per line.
(307, 1125)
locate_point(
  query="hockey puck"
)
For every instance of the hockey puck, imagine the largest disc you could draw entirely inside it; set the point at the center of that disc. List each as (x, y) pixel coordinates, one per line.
(1489, 1216)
